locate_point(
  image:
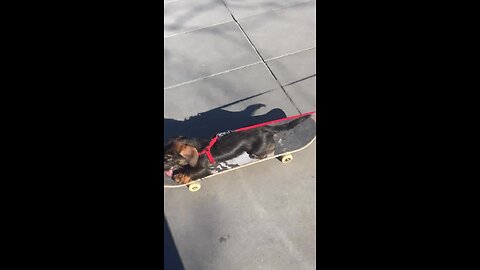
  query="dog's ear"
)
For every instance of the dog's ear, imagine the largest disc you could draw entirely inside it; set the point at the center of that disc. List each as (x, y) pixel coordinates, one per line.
(190, 153)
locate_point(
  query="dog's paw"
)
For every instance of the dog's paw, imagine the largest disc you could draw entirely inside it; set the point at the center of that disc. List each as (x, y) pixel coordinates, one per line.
(181, 178)
(256, 156)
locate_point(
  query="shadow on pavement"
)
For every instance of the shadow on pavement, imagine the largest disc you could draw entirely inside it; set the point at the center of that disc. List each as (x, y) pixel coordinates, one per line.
(171, 256)
(207, 124)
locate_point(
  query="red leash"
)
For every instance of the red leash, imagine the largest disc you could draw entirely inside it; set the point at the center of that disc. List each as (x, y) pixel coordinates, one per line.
(274, 121)
(214, 140)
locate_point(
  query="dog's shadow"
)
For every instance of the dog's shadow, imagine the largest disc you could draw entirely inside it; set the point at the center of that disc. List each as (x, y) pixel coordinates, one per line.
(207, 124)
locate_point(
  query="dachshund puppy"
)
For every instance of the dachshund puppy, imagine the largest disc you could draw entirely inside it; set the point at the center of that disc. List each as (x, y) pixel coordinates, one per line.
(182, 162)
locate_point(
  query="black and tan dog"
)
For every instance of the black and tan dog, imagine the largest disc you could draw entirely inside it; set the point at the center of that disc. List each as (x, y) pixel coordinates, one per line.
(183, 163)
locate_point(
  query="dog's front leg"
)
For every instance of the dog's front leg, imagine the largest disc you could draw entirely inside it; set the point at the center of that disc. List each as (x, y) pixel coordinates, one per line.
(190, 174)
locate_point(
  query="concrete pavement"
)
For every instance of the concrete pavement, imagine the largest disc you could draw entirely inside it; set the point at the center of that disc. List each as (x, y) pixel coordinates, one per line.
(229, 64)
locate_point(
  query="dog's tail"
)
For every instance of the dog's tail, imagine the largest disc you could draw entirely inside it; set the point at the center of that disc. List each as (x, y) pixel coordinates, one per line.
(288, 126)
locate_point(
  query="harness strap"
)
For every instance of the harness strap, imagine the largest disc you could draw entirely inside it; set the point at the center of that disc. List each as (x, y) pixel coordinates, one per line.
(207, 150)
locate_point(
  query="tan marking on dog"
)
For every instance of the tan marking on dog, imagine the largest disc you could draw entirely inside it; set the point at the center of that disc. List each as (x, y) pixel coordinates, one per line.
(182, 178)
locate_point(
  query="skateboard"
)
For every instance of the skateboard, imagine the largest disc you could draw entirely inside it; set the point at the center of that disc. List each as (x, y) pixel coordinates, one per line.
(286, 143)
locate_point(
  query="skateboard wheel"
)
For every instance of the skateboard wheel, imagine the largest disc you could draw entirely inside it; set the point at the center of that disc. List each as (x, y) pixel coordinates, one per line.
(194, 187)
(287, 158)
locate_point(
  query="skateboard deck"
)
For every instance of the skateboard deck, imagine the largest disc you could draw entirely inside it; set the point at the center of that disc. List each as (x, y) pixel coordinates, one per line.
(286, 143)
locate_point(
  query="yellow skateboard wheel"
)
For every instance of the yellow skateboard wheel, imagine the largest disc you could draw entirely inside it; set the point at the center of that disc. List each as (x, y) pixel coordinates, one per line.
(194, 187)
(287, 158)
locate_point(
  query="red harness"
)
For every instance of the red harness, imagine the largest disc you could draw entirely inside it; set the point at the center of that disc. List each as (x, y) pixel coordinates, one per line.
(207, 150)
(214, 140)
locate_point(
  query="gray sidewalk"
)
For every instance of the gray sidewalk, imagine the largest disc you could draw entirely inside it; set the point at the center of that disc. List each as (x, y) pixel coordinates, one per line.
(228, 64)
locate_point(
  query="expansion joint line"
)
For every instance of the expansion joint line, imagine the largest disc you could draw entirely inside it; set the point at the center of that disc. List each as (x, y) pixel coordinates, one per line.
(260, 56)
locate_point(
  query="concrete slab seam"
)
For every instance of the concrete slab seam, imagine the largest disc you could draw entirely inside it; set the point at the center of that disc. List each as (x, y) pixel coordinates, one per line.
(261, 57)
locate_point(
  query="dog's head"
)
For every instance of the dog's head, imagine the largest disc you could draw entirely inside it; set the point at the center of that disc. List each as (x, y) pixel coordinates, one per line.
(178, 153)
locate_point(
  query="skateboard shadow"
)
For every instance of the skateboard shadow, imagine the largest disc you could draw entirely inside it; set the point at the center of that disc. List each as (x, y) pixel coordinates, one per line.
(207, 124)
(171, 256)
